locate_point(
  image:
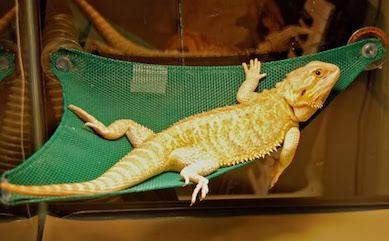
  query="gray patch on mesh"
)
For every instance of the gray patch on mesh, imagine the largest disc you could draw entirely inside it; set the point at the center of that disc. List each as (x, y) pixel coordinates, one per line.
(149, 79)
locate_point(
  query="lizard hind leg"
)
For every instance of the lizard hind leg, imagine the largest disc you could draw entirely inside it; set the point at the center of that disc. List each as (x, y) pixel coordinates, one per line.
(193, 165)
(135, 132)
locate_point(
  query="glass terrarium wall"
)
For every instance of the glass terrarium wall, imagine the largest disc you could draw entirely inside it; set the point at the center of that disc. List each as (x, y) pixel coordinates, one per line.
(16, 135)
(234, 30)
(225, 33)
(15, 111)
(201, 33)
(342, 152)
(229, 32)
(371, 130)
(350, 142)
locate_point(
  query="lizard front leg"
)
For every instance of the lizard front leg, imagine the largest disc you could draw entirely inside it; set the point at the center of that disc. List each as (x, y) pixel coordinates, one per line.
(287, 153)
(246, 92)
(193, 165)
(135, 132)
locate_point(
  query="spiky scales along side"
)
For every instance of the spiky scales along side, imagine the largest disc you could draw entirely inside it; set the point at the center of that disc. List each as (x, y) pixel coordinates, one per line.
(239, 133)
(199, 145)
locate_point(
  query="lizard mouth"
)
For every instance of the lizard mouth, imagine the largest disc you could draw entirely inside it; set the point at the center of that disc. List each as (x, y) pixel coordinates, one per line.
(314, 104)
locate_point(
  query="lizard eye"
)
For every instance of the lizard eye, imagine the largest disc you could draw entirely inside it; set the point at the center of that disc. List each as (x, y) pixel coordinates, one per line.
(303, 92)
(318, 72)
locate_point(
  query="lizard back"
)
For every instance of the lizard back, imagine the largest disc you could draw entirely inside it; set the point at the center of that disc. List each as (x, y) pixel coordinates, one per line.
(240, 132)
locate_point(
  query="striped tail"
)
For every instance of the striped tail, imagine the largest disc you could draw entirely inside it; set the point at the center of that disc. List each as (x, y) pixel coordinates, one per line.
(136, 167)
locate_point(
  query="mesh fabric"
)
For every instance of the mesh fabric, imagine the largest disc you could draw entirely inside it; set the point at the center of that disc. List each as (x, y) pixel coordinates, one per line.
(9, 65)
(153, 95)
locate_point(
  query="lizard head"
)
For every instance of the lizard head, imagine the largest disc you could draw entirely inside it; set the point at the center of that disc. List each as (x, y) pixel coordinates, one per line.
(307, 88)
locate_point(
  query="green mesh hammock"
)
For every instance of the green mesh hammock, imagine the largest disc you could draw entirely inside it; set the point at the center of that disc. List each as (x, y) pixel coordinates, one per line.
(153, 95)
(7, 65)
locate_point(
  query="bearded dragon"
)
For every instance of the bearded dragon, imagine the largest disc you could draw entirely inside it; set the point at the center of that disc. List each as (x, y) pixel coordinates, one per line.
(200, 144)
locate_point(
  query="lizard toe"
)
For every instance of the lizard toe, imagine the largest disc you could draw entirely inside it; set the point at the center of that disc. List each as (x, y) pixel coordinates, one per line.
(202, 186)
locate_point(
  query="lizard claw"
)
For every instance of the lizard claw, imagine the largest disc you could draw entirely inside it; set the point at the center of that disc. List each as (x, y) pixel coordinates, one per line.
(82, 114)
(202, 186)
(245, 68)
(186, 176)
(255, 64)
(186, 181)
(274, 179)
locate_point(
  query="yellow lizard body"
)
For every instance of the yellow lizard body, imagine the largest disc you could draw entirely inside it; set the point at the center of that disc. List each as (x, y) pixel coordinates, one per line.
(200, 144)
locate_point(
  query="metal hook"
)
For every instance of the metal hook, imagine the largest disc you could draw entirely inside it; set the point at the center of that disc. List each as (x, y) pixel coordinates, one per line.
(369, 50)
(63, 63)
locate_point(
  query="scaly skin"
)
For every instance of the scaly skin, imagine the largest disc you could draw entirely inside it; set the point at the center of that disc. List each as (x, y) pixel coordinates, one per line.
(200, 144)
(277, 42)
